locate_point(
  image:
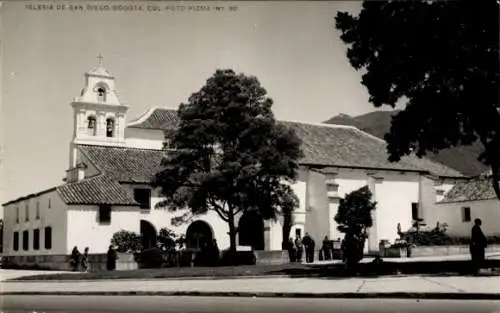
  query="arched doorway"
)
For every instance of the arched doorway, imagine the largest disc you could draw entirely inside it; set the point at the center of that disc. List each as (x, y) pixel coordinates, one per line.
(148, 235)
(197, 234)
(251, 230)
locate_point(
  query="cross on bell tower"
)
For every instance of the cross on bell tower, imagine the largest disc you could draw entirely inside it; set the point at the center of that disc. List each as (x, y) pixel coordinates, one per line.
(99, 59)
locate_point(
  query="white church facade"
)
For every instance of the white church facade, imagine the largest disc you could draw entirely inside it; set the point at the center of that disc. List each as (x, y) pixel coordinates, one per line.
(112, 161)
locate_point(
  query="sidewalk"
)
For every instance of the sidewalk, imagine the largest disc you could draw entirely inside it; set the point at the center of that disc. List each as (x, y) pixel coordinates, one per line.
(431, 287)
(458, 257)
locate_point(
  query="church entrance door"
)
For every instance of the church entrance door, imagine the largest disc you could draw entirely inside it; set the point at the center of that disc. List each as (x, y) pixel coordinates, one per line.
(251, 230)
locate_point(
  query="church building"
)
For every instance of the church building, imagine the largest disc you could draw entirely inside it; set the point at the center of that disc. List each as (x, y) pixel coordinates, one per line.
(111, 163)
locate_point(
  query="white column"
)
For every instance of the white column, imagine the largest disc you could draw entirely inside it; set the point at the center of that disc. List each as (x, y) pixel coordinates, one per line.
(101, 124)
(120, 126)
(332, 189)
(80, 122)
(267, 236)
(373, 242)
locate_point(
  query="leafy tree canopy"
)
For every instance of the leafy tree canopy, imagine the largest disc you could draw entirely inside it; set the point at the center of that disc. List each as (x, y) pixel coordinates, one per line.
(125, 241)
(230, 154)
(440, 58)
(354, 214)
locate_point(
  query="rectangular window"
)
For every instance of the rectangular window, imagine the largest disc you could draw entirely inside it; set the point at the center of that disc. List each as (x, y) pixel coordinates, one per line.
(49, 204)
(48, 238)
(15, 243)
(26, 240)
(37, 210)
(466, 214)
(17, 214)
(143, 197)
(298, 233)
(414, 211)
(36, 239)
(27, 212)
(104, 213)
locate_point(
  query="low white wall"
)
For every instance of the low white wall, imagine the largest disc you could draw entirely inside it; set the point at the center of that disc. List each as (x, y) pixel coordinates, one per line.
(487, 210)
(448, 250)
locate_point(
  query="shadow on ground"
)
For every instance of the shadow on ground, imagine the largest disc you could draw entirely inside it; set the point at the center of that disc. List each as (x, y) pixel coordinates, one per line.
(368, 270)
(388, 268)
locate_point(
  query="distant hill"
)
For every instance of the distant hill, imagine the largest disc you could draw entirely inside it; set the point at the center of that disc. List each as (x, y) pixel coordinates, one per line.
(378, 123)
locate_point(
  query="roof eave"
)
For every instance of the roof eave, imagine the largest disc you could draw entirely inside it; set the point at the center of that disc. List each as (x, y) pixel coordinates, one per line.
(33, 195)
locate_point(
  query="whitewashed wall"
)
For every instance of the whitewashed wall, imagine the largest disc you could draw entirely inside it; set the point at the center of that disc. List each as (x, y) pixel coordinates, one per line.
(393, 191)
(54, 217)
(394, 196)
(144, 138)
(299, 216)
(317, 222)
(487, 210)
(86, 231)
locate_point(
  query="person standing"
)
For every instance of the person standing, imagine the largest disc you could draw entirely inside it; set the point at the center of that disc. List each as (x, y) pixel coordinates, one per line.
(312, 245)
(85, 260)
(478, 245)
(291, 250)
(111, 259)
(307, 242)
(75, 259)
(327, 253)
(299, 249)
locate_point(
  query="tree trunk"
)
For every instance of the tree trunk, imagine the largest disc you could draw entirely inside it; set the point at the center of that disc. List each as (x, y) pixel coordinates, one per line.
(492, 159)
(232, 231)
(287, 227)
(495, 177)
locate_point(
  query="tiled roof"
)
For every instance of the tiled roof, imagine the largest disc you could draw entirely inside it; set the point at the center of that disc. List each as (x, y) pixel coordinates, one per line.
(471, 190)
(99, 189)
(164, 119)
(325, 144)
(347, 146)
(124, 164)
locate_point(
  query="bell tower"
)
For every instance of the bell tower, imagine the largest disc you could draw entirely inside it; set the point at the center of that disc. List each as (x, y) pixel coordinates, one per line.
(98, 116)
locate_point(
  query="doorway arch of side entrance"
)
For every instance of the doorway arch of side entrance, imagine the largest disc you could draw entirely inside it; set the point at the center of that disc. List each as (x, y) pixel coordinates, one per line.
(148, 235)
(198, 233)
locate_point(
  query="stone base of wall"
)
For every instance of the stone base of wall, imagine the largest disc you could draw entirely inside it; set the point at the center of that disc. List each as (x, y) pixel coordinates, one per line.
(97, 262)
(448, 250)
(273, 257)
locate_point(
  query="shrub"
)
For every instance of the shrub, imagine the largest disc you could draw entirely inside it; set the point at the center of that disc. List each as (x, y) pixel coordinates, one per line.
(169, 240)
(238, 258)
(126, 241)
(434, 237)
(151, 258)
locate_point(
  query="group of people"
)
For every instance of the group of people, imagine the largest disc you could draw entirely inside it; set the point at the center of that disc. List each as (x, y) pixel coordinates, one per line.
(297, 247)
(80, 261)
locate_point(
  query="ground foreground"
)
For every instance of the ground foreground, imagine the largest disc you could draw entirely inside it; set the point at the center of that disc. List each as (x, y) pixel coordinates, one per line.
(176, 272)
(421, 287)
(77, 304)
(417, 265)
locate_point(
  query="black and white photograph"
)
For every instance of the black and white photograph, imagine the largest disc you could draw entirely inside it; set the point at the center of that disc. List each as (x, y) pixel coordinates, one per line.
(250, 156)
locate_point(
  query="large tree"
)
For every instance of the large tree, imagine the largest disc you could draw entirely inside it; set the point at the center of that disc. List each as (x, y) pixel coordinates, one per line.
(354, 218)
(230, 154)
(441, 60)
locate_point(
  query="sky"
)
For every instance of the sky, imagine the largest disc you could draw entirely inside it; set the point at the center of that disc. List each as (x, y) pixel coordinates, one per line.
(159, 58)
